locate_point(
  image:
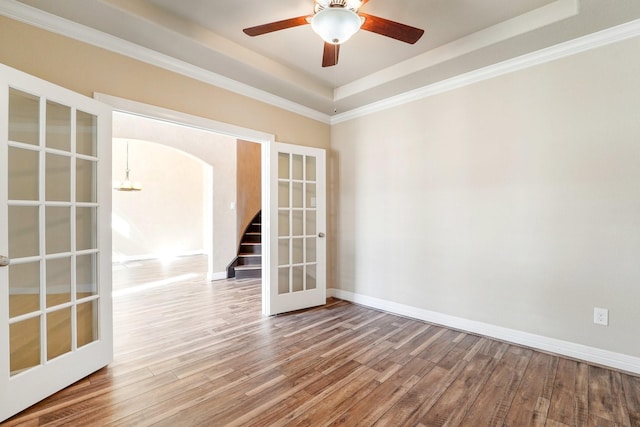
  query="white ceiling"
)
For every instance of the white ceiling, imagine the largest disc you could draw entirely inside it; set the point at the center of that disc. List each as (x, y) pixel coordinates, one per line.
(460, 36)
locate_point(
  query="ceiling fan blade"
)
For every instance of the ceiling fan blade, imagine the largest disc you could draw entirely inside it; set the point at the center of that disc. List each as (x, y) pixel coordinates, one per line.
(395, 30)
(330, 55)
(276, 26)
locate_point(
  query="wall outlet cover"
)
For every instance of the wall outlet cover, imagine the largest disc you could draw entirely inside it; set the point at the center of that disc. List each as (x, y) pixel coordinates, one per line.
(600, 316)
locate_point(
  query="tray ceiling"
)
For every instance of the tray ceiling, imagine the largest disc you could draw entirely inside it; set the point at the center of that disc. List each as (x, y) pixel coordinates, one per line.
(460, 36)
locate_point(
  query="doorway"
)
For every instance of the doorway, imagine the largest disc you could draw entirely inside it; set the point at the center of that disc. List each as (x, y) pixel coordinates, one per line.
(266, 140)
(188, 197)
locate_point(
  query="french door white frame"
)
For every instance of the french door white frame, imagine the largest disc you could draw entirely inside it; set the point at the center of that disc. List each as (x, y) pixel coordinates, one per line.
(266, 140)
(22, 389)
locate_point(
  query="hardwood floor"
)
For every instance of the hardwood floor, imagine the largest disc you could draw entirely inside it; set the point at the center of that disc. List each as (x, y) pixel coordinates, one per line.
(194, 353)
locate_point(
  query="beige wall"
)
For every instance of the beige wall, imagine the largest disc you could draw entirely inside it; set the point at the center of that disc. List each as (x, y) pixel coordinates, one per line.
(166, 218)
(249, 190)
(513, 202)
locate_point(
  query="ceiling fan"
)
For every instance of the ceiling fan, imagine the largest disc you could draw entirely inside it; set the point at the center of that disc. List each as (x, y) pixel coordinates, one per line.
(336, 21)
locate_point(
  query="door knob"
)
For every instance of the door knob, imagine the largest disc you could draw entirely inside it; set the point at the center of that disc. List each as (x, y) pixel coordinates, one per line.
(320, 234)
(4, 261)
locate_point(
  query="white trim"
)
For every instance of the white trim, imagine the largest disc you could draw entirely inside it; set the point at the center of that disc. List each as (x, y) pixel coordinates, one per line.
(46, 21)
(564, 348)
(217, 276)
(592, 41)
(176, 117)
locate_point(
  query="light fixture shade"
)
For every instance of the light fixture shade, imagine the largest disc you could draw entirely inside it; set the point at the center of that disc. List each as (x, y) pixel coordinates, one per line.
(127, 185)
(336, 25)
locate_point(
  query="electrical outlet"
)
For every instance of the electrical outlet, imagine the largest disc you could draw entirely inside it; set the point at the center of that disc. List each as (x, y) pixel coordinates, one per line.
(600, 316)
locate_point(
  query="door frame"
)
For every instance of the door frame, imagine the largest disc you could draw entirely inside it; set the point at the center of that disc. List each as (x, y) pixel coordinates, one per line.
(266, 141)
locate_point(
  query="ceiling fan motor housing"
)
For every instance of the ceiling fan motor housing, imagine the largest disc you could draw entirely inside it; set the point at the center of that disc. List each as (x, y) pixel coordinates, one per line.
(347, 4)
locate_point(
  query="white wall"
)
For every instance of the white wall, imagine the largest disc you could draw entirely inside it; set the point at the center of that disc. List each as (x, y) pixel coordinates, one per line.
(166, 218)
(514, 201)
(217, 151)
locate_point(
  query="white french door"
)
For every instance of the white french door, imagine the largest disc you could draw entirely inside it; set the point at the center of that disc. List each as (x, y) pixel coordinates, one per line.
(297, 245)
(55, 239)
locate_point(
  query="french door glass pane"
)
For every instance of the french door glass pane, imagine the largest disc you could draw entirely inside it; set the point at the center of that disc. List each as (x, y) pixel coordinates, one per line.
(283, 280)
(86, 226)
(58, 332)
(298, 224)
(86, 276)
(297, 279)
(58, 126)
(283, 194)
(23, 231)
(24, 117)
(311, 196)
(58, 177)
(297, 251)
(283, 252)
(23, 174)
(283, 166)
(297, 195)
(297, 165)
(86, 126)
(58, 281)
(87, 317)
(86, 186)
(311, 277)
(24, 345)
(283, 223)
(311, 249)
(310, 223)
(58, 226)
(311, 168)
(24, 288)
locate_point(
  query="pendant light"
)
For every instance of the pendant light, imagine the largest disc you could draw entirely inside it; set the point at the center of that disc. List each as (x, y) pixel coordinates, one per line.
(127, 184)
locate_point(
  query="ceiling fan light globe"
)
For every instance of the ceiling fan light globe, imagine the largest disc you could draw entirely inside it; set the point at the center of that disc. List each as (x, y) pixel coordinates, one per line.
(336, 25)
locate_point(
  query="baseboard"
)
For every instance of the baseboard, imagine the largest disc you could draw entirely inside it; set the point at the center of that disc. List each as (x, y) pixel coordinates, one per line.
(217, 276)
(565, 348)
(119, 258)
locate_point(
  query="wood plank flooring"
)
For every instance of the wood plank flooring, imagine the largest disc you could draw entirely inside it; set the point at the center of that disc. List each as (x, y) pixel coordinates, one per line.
(195, 353)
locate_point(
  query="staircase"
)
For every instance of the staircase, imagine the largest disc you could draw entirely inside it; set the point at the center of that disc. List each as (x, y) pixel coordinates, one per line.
(248, 263)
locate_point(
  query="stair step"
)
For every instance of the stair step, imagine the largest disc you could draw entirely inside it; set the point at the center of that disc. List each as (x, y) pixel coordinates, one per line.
(248, 271)
(253, 238)
(249, 259)
(251, 247)
(248, 267)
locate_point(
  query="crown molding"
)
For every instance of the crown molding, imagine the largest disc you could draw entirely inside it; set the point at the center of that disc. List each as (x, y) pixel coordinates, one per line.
(55, 24)
(49, 22)
(527, 22)
(582, 44)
